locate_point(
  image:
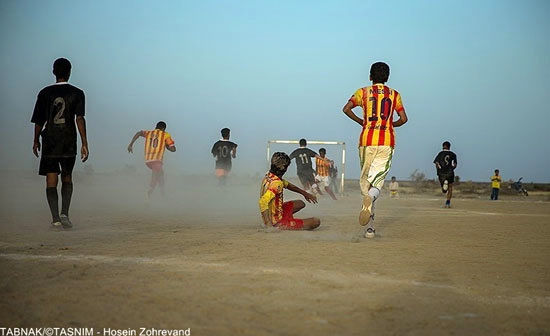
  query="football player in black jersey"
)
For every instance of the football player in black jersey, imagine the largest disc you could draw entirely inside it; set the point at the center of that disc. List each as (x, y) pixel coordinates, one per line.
(56, 109)
(304, 168)
(224, 150)
(445, 164)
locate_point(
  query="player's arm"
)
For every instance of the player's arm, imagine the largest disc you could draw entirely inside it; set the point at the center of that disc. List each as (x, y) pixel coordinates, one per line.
(402, 118)
(169, 144)
(171, 148)
(81, 124)
(436, 162)
(39, 118)
(264, 207)
(234, 151)
(36, 143)
(348, 111)
(136, 136)
(309, 197)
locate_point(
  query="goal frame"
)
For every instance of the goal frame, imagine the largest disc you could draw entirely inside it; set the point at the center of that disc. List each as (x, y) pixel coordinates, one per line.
(314, 142)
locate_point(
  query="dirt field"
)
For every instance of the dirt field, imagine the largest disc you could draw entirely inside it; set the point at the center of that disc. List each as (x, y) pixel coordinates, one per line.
(196, 259)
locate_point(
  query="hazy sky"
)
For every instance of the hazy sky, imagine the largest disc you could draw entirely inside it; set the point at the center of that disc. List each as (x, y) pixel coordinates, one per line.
(472, 72)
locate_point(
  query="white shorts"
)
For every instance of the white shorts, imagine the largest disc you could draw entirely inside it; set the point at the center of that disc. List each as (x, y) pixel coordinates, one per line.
(375, 165)
(322, 181)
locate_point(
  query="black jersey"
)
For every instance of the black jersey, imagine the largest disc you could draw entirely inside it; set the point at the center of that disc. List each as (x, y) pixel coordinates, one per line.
(222, 150)
(447, 161)
(56, 108)
(303, 159)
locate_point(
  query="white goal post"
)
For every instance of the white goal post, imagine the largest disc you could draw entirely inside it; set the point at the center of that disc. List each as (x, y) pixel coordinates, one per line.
(314, 142)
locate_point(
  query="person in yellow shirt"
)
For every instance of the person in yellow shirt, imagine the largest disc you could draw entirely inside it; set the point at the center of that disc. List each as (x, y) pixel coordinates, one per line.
(156, 141)
(495, 183)
(275, 212)
(394, 188)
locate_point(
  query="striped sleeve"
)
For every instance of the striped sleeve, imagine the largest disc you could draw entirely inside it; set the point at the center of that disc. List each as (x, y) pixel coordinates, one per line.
(357, 98)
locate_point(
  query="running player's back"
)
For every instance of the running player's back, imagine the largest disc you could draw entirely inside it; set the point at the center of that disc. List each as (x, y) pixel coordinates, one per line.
(446, 160)
(222, 150)
(155, 144)
(303, 158)
(378, 102)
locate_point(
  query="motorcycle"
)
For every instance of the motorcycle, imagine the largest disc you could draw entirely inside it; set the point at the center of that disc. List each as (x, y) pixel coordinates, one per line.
(518, 186)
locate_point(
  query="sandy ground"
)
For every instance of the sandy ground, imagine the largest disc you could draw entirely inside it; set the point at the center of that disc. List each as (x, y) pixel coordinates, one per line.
(196, 259)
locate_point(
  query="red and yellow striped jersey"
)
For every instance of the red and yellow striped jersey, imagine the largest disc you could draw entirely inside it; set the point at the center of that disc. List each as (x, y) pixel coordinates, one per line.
(155, 144)
(378, 102)
(322, 166)
(271, 196)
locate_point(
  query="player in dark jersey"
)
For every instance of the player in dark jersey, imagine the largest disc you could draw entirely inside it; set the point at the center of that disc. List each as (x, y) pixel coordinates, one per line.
(56, 109)
(445, 163)
(304, 168)
(224, 150)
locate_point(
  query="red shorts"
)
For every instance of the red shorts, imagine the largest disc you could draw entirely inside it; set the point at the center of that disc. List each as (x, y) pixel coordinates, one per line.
(154, 165)
(221, 172)
(289, 222)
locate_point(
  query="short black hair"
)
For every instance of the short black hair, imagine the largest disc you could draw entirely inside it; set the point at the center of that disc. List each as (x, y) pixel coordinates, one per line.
(279, 163)
(393, 177)
(161, 125)
(322, 150)
(225, 132)
(62, 68)
(447, 145)
(379, 72)
(497, 171)
(303, 142)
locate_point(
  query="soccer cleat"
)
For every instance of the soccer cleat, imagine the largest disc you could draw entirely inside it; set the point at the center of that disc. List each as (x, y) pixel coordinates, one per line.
(369, 233)
(445, 186)
(56, 225)
(366, 209)
(65, 221)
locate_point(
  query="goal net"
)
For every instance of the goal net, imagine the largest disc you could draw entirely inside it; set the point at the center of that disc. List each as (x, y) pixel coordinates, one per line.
(340, 144)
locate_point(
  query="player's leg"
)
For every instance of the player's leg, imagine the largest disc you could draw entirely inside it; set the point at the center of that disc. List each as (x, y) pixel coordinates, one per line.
(161, 181)
(326, 184)
(449, 195)
(297, 205)
(304, 181)
(317, 185)
(496, 193)
(366, 155)
(311, 223)
(53, 199)
(154, 178)
(49, 167)
(380, 167)
(67, 165)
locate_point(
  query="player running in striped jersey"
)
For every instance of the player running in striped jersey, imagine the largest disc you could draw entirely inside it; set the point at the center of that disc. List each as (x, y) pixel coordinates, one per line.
(156, 141)
(377, 139)
(322, 165)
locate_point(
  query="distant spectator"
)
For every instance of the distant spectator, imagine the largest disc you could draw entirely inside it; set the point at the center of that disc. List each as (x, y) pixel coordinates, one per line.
(394, 188)
(495, 183)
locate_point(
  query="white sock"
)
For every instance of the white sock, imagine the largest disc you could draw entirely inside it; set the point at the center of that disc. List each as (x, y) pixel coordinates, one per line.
(374, 193)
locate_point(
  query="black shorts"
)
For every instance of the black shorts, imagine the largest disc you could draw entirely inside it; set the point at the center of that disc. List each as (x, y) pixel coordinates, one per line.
(449, 176)
(307, 178)
(57, 165)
